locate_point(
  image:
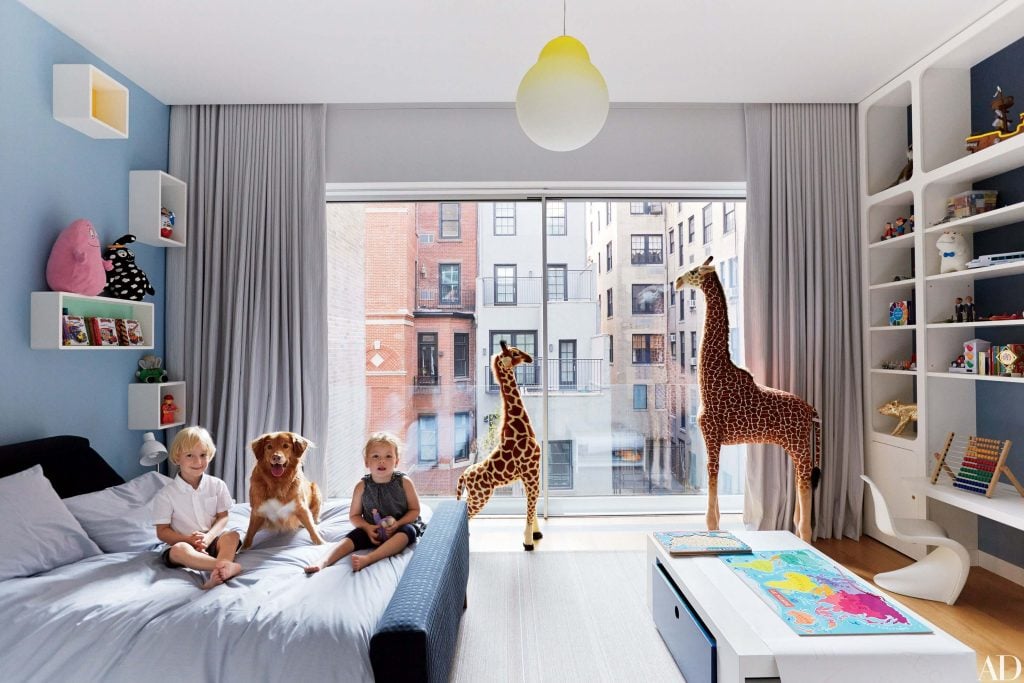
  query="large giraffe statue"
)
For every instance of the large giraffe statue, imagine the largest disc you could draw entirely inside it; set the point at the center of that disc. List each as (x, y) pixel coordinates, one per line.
(517, 455)
(736, 409)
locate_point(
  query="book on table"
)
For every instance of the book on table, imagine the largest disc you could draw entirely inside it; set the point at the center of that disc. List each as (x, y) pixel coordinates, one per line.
(700, 542)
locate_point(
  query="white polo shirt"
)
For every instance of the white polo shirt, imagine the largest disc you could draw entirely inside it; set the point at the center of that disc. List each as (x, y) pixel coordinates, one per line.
(189, 509)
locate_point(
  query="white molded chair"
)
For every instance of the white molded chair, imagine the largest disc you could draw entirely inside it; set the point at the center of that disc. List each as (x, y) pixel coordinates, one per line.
(940, 575)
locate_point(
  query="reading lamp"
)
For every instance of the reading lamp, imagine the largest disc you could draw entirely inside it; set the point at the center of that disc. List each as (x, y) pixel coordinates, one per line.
(562, 101)
(152, 451)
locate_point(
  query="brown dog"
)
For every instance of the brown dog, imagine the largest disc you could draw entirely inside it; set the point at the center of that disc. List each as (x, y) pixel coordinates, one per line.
(279, 493)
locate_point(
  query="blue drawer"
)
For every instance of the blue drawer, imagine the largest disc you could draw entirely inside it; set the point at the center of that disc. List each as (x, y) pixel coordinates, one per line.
(688, 640)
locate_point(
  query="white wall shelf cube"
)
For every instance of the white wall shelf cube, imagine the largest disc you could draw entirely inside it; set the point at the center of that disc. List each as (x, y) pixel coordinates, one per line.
(47, 324)
(148, 193)
(90, 101)
(145, 401)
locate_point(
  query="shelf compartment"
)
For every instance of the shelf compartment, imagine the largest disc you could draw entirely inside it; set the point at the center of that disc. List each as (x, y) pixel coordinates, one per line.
(882, 297)
(975, 274)
(887, 138)
(47, 323)
(90, 101)
(902, 242)
(885, 388)
(144, 403)
(148, 192)
(997, 218)
(891, 348)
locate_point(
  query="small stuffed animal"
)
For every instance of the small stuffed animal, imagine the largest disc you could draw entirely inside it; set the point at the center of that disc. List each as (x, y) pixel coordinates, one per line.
(954, 251)
(75, 264)
(126, 280)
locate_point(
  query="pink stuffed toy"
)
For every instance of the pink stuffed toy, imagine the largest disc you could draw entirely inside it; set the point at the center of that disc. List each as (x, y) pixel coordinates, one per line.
(75, 263)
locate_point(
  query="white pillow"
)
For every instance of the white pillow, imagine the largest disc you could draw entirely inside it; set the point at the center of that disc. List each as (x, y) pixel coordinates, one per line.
(37, 533)
(120, 518)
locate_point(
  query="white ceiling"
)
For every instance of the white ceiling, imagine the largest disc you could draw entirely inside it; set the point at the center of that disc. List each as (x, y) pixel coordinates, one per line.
(476, 51)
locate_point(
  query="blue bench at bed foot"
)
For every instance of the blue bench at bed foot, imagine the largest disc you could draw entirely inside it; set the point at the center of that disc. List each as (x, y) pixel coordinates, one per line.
(415, 639)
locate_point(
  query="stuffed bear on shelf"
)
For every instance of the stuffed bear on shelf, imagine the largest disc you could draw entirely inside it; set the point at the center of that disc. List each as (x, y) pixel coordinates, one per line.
(126, 280)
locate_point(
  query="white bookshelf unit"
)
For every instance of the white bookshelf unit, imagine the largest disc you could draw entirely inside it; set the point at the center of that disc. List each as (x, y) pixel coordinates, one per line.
(90, 101)
(148, 193)
(145, 401)
(47, 324)
(929, 105)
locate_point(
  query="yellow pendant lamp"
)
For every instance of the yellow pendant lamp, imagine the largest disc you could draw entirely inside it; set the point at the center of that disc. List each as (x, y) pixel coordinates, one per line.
(562, 101)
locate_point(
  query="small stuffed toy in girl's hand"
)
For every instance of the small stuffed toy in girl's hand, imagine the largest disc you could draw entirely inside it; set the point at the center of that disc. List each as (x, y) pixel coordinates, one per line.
(75, 264)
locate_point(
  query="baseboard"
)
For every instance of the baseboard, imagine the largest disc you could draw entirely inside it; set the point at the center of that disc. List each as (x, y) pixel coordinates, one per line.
(999, 567)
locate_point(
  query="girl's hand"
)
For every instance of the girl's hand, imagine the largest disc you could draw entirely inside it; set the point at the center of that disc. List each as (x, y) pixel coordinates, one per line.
(197, 539)
(313, 569)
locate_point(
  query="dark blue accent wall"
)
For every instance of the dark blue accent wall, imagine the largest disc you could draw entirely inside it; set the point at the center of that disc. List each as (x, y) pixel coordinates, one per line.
(50, 175)
(999, 404)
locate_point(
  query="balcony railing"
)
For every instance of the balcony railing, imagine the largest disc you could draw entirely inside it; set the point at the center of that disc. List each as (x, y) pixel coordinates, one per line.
(445, 299)
(580, 375)
(527, 291)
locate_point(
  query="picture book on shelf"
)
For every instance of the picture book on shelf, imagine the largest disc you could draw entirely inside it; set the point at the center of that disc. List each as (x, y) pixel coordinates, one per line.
(103, 331)
(75, 331)
(129, 332)
(700, 542)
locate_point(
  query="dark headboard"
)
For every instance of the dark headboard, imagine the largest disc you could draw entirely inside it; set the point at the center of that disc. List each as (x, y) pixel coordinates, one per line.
(71, 465)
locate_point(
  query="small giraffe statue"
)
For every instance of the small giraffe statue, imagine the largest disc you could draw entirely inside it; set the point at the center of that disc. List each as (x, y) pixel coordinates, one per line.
(517, 455)
(735, 409)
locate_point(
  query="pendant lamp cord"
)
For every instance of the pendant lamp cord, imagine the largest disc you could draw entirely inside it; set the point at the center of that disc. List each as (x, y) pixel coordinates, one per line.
(563, 17)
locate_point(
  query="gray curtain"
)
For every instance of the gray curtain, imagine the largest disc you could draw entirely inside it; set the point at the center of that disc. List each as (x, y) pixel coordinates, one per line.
(802, 302)
(246, 304)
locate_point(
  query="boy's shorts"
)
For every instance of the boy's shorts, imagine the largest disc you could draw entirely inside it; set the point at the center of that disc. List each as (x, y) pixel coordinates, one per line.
(211, 550)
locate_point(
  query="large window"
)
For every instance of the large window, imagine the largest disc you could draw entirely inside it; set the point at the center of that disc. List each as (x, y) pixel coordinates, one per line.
(527, 375)
(461, 350)
(648, 299)
(463, 435)
(556, 218)
(560, 465)
(427, 372)
(505, 285)
(450, 276)
(427, 434)
(648, 349)
(645, 250)
(556, 282)
(450, 217)
(504, 218)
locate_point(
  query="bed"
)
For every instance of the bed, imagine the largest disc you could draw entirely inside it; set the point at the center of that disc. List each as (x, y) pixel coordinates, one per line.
(123, 616)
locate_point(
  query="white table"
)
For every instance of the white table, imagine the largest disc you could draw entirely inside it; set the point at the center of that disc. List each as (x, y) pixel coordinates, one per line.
(753, 642)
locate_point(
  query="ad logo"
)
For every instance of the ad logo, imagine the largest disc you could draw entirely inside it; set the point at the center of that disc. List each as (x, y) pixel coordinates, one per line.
(999, 667)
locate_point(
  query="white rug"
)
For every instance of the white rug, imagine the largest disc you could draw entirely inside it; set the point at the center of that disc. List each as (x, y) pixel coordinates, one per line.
(559, 617)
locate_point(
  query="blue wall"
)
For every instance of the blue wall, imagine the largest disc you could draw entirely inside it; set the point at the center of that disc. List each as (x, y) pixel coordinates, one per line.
(50, 175)
(999, 416)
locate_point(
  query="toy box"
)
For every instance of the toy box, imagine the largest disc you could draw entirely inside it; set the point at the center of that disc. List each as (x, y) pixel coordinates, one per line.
(102, 331)
(972, 348)
(970, 203)
(901, 313)
(129, 332)
(75, 331)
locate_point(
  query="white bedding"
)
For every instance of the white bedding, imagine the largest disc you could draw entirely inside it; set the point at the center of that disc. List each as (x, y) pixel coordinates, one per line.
(126, 617)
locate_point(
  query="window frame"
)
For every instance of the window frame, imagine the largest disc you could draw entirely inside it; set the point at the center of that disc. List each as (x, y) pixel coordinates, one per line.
(554, 268)
(637, 394)
(707, 221)
(464, 348)
(421, 420)
(643, 287)
(459, 418)
(554, 464)
(508, 222)
(648, 352)
(644, 255)
(555, 219)
(423, 344)
(442, 221)
(515, 284)
(441, 284)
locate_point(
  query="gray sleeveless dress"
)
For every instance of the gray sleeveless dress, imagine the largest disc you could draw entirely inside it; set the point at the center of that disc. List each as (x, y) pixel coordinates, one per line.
(388, 499)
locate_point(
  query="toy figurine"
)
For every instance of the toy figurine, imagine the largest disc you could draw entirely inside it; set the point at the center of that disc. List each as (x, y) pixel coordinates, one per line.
(888, 232)
(901, 226)
(167, 410)
(382, 524)
(969, 310)
(166, 222)
(958, 310)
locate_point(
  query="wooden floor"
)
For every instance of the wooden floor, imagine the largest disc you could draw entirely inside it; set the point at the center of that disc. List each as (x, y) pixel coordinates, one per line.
(988, 616)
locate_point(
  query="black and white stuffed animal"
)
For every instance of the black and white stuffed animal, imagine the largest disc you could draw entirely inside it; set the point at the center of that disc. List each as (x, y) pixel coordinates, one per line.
(126, 280)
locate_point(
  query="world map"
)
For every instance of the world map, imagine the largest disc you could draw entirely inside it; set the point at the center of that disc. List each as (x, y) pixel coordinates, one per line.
(815, 597)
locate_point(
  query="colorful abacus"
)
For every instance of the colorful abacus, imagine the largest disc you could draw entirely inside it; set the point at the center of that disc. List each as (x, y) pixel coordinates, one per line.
(976, 466)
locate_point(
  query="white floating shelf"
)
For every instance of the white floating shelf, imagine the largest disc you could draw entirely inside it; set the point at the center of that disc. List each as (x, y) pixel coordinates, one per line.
(997, 218)
(148, 193)
(48, 322)
(902, 242)
(145, 401)
(90, 101)
(973, 377)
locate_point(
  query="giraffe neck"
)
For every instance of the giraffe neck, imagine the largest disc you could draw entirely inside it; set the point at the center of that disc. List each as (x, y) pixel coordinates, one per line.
(714, 347)
(510, 397)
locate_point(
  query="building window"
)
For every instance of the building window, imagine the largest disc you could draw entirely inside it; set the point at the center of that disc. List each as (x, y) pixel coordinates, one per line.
(567, 364)
(639, 397)
(556, 218)
(671, 241)
(730, 217)
(648, 349)
(607, 213)
(648, 299)
(524, 340)
(706, 216)
(556, 283)
(450, 277)
(504, 218)
(461, 355)
(463, 435)
(426, 373)
(690, 230)
(505, 285)
(682, 308)
(636, 208)
(693, 344)
(671, 296)
(611, 349)
(645, 208)
(672, 344)
(560, 465)
(427, 435)
(659, 397)
(645, 250)
(449, 215)
(608, 257)
(608, 296)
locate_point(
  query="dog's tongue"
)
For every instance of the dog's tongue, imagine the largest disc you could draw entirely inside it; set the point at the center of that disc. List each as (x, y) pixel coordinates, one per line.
(277, 470)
